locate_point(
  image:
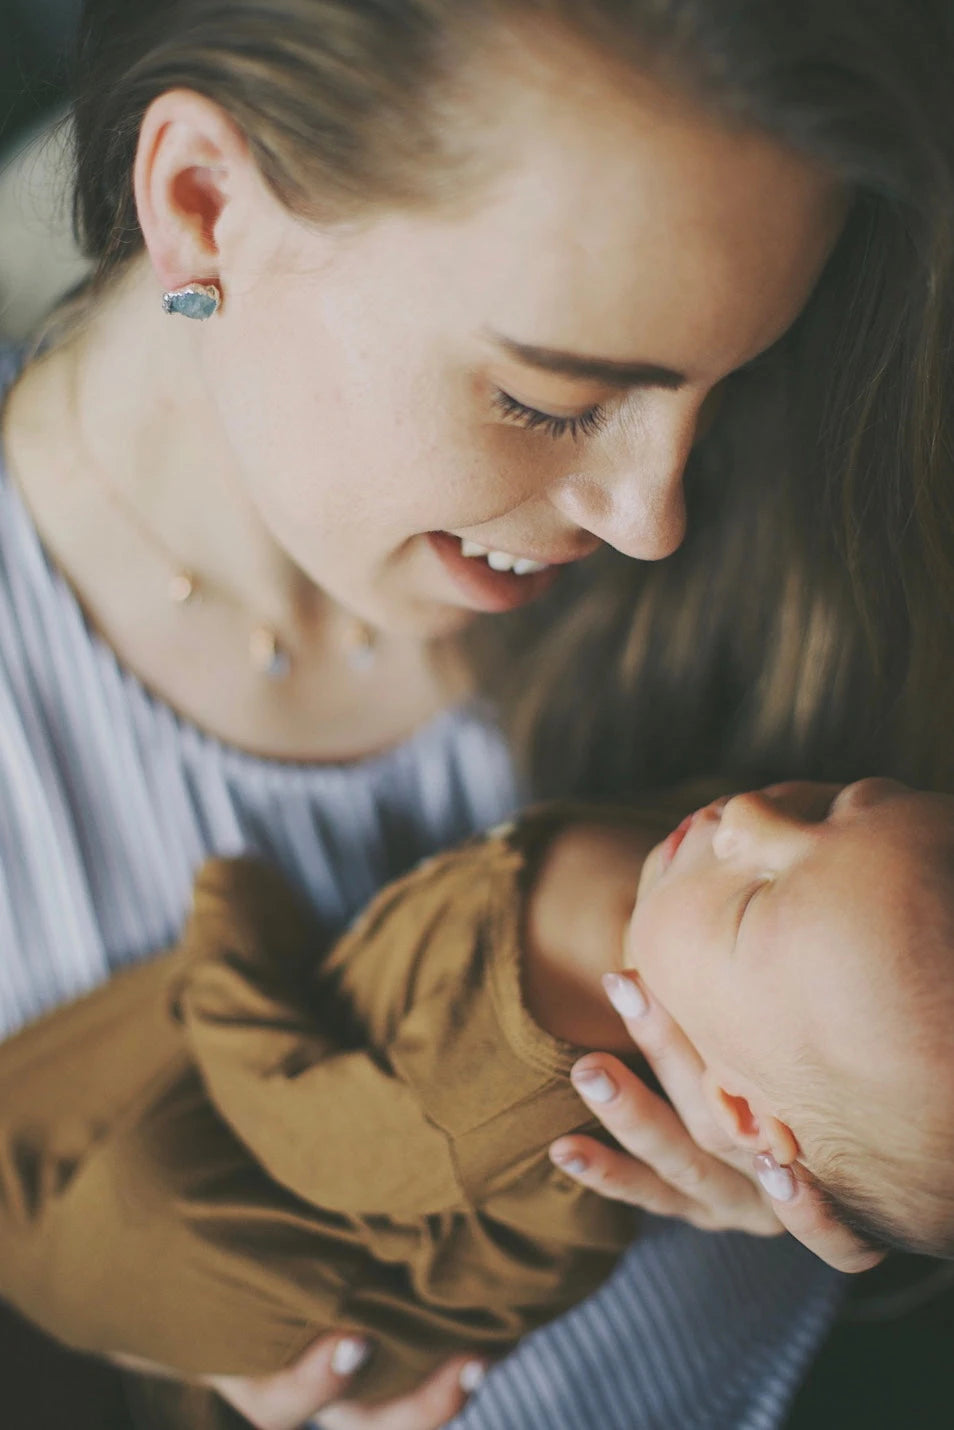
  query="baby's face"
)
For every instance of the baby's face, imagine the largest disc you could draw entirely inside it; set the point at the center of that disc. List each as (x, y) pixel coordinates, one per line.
(778, 924)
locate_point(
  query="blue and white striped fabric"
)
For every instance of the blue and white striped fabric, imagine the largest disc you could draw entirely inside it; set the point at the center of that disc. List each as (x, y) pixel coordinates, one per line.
(109, 802)
(692, 1332)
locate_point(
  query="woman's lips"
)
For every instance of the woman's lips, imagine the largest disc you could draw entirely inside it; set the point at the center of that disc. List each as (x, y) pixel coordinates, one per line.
(483, 588)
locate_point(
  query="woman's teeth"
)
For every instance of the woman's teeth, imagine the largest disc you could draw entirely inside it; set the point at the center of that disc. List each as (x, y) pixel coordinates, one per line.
(502, 560)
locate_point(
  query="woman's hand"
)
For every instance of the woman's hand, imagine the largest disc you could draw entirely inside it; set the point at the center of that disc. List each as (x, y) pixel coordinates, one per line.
(675, 1160)
(314, 1385)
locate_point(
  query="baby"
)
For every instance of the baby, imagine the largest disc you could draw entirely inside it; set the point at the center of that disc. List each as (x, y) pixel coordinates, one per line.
(225, 1154)
(828, 1014)
(803, 938)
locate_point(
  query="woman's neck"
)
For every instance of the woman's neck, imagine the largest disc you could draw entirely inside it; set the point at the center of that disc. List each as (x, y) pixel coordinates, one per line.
(142, 425)
(126, 470)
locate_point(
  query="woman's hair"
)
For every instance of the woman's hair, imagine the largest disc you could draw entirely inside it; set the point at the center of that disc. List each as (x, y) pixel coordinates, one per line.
(806, 626)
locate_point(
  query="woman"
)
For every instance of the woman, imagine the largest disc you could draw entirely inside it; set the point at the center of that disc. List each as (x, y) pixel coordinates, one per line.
(482, 275)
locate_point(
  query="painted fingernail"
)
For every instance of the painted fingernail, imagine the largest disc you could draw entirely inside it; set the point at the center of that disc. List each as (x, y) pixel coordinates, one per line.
(471, 1375)
(349, 1355)
(778, 1182)
(627, 997)
(570, 1162)
(595, 1085)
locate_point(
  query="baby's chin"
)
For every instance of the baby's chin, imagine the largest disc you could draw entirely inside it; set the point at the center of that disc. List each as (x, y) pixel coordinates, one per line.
(649, 874)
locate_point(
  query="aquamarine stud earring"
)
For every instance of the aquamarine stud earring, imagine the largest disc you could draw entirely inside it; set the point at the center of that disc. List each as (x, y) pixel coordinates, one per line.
(195, 300)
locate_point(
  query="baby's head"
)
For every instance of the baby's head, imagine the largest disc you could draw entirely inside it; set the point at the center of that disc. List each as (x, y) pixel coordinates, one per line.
(803, 937)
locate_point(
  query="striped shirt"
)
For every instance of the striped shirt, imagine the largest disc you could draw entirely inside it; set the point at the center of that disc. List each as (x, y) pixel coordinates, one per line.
(109, 801)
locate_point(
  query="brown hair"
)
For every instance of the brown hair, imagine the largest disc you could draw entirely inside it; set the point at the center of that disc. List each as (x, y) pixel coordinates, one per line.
(897, 1198)
(919, 1221)
(806, 626)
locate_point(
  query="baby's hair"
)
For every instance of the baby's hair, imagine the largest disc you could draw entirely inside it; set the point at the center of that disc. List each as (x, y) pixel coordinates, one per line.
(879, 1229)
(903, 1200)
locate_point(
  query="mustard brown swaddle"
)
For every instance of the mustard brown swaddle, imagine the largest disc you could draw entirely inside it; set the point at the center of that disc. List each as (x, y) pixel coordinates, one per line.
(240, 1145)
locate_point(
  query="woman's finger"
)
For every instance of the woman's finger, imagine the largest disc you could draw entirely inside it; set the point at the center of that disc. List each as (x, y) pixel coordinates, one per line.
(640, 1123)
(434, 1403)
(675, 1063)
(284, 1400)
(648, 1129)
(801, 1210)
(619, 1176)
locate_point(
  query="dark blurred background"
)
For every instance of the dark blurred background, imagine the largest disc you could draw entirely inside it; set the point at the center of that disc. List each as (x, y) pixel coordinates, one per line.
(44, 1387)
(35, 40)
(38, 258)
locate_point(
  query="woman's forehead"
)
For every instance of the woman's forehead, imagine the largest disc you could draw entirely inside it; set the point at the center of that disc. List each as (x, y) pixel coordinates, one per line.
(644, 237)
(607, 186)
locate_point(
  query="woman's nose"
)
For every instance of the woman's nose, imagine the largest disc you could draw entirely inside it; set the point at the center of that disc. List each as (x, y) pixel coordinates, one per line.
(630, 493)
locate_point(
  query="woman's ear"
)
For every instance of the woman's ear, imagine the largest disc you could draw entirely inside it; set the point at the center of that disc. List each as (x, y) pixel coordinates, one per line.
(193, 166)
(748, 1124)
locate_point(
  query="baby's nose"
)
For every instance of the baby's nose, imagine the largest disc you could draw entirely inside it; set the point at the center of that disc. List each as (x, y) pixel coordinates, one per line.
(757, 824)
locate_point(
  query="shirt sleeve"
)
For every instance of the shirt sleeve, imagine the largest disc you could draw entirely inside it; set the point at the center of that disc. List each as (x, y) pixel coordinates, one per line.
(282, 1062)
(409, 1078)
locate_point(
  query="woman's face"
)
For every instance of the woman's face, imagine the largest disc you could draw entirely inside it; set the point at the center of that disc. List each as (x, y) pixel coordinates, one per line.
(377, 384)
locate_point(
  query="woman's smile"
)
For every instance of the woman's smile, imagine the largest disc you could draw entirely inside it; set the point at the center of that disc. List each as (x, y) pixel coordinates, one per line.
(487, 583)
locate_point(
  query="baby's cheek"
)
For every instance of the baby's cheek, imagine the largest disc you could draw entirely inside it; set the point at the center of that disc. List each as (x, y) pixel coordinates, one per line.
(631, 943)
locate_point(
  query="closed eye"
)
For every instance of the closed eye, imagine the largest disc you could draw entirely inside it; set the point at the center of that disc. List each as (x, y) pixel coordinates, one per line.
(585, 424)
(747, 898)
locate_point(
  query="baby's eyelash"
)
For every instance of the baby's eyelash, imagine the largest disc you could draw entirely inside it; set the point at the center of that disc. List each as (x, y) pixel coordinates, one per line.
(584, 425)
(747, 898)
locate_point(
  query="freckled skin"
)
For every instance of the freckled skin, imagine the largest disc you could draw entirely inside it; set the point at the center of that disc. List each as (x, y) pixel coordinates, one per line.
(299, 449)
(347, 385)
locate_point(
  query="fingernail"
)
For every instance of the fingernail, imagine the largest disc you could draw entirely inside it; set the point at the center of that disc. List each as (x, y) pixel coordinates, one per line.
(778, 1182)
(471, 1375)
(349, 1355)
(595, 1085)
(626, 996)
(570, 1162)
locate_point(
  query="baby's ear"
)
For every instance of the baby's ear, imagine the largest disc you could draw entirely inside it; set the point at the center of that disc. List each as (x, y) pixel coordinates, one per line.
(749, 1126)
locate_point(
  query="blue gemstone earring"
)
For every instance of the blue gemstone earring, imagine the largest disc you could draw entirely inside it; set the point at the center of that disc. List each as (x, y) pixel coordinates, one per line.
(195, 300)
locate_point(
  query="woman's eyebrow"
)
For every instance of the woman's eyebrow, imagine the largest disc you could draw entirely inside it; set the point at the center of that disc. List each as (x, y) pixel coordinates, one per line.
(614, 374)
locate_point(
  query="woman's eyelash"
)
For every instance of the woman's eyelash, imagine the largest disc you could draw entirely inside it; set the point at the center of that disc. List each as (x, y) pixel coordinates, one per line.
(585, 425)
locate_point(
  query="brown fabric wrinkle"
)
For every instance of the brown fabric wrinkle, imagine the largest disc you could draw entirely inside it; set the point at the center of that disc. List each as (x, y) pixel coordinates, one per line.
(351, 1140)
(245, 1038)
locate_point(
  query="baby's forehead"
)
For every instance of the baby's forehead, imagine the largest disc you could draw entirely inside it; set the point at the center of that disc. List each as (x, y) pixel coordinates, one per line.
(871, 914)
(894, 862)
(904, 829)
